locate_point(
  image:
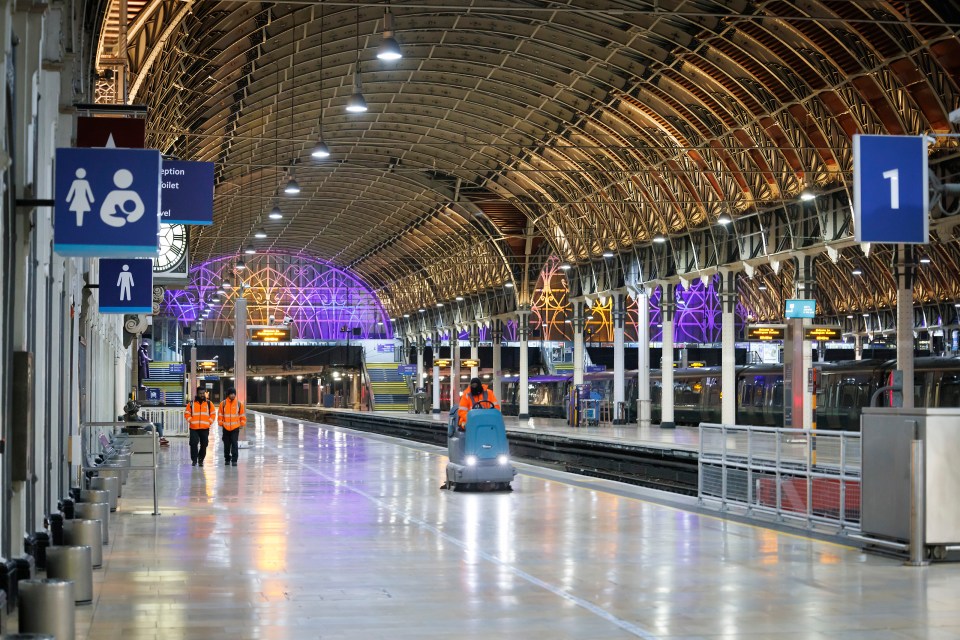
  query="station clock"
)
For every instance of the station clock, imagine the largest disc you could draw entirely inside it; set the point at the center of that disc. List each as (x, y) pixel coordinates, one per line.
(172, 263)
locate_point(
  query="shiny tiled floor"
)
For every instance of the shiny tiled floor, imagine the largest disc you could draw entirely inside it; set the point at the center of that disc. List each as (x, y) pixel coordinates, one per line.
(320, 533)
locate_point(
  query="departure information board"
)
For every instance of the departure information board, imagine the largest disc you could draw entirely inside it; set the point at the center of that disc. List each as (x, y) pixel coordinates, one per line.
(765, 332)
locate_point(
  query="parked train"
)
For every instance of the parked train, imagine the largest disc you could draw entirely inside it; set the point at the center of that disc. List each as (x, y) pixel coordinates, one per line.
(843, 389)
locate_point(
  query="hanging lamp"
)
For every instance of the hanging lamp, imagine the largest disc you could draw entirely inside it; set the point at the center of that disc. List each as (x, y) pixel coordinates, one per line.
(389, 48)
(356, 103)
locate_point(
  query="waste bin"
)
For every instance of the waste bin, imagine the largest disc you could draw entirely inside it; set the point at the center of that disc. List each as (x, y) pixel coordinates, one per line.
(72, 563)
(47, 607)
(78, 532)
(96, 511)
(421, 404)
(109, 484)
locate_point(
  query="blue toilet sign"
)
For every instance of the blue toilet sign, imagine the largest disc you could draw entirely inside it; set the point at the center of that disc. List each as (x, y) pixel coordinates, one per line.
(126, 285)
(107, 202)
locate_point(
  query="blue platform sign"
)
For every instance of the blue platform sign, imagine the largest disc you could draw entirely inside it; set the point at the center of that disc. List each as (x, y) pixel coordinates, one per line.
(595, 368)
(126, 285)
(107, 202)
(800, 309)
(890, 189)
(407, 369)
(186, 192)
(178, 369)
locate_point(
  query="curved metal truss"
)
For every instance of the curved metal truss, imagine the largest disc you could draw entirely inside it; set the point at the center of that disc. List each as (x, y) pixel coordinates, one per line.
(586, 127)
(321, 301)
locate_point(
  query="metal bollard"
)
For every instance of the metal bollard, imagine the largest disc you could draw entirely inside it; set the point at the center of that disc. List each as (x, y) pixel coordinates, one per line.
(47, 606)
(918, 506)
(74, 564)
(86, 533)
(96, 511)
(110, 485)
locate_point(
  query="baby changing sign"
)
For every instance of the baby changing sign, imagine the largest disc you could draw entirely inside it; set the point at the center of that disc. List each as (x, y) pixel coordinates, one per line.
(107, 202)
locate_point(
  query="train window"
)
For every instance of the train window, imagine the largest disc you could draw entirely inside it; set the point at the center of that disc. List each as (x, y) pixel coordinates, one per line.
(949, 390)
(746, 395)
(777, 394)
(759, 393)
(713, 392)
(849, 396)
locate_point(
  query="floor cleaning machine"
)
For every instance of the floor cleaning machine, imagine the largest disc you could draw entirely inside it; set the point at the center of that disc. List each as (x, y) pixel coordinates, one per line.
(479, 455)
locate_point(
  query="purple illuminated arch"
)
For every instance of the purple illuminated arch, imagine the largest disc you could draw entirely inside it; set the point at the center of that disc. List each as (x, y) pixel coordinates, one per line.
(320, 298)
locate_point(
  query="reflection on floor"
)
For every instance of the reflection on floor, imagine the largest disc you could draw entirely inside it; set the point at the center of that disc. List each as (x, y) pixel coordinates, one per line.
(321, 533)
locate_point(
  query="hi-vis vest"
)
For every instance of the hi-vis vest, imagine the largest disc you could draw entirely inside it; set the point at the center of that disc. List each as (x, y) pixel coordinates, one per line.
(467, 402)
(232, 415)
(199, 415)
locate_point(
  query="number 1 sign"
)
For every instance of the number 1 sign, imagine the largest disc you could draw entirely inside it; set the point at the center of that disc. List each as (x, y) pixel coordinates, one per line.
(890, 189)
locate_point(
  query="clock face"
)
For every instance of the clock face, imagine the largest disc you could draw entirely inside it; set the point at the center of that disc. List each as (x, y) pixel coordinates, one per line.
(173, 247)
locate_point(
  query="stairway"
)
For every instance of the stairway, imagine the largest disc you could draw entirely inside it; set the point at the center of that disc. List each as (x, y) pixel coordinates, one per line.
(390, 390)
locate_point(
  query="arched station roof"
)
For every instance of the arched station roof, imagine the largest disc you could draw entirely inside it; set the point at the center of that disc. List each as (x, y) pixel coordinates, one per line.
(510, 131)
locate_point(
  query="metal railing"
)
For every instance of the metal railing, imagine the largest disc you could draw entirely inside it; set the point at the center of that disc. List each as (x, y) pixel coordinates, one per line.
(806, 475)
(172, 418)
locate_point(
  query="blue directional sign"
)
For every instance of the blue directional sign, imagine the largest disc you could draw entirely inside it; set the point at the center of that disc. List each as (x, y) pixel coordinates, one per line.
(126, 285)
(178, 369)
(595, 368)
(107, 202)
(407, 369)
(890, 189)
(186, 192)
(800, 309)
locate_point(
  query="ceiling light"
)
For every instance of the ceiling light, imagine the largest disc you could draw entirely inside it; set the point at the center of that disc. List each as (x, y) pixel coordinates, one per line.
(762, 287)
(249, 250)
(608, 254)
(659, 238)
(422, 310)
(276, 213)
(356, 103)
(565, 266)
(849, 317)
(241, 264)
(439, 304)
(806, 195)
(724, 218)
(227, 284)
(260, 233)
(292, 188)
(406, 315)
(459, 298)
(924, 260)
(508, 285)
(321, 150)
(857, 272)
(389, 48)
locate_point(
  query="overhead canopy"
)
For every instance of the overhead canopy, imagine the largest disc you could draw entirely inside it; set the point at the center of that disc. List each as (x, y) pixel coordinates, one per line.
(510, 131)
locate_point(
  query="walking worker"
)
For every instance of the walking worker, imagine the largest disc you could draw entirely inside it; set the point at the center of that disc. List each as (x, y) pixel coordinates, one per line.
(200, 415)
(232, 416)
(478, 392)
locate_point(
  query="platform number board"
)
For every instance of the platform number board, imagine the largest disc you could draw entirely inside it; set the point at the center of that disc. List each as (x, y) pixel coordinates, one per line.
(890, 189)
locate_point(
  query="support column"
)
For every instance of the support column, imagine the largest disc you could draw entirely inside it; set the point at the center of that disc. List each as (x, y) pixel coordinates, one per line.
(240, 355)
(857, 347)
(436, 372)
(619, 378)
(668, 307)
(421, 345)
(496, 333)
(523, 334)
(728, 357)
(475, 350)
(797, 359)
(454, 369)
(643, 358)
(579, 322)
(193, 373)
(904, 269)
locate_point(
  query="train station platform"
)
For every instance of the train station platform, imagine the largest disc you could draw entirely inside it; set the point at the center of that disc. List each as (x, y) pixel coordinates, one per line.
(321, 532)
(647, 456)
